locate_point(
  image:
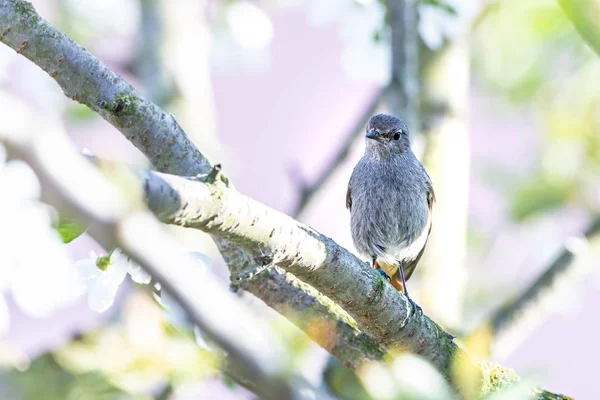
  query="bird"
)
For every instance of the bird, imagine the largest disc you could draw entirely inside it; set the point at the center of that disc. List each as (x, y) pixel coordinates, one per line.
(390, 197)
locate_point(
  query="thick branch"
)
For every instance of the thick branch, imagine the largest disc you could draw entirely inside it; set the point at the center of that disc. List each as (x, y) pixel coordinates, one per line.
(404, 88)
(207, 203)
(68, 182)
(84, 78)
(156, 133)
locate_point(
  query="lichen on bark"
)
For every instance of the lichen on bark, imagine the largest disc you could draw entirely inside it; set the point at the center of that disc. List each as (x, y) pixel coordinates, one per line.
(250, 236)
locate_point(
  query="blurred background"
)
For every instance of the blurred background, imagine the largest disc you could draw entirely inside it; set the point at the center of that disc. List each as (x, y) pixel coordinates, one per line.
(504, 109)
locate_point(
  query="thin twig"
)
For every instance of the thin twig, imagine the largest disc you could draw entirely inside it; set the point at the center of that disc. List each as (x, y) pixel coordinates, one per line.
(400, 96)
(515, 319)
(308, 192)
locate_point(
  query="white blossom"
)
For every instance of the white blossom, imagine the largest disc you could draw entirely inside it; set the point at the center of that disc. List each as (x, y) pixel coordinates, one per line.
(4, 317)
(323, 12)
(359, 23)
(35, 264)
(363, 57)
(119, 17)
(137, 273)
(437, 24)
(242, 39)
(250, 26)
(101, 285)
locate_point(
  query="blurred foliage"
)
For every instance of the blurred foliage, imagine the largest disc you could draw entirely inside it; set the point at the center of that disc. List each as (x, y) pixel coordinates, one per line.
(406, 376)
(584, 15)
(144, 350)
(124, 360)
(444, 5)
(516, 47)
(78, 112)
(47, 379)
(449, 8)
(539, 194)
(466, 370)
(529, 52)
(68, 228)
(343, 382)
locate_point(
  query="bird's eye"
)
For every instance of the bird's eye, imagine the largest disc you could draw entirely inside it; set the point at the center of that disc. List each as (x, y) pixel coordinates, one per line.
(396, 136)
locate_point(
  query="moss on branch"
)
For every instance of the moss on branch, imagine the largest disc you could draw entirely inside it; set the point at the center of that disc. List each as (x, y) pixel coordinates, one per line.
(155, 133)
(250, 236)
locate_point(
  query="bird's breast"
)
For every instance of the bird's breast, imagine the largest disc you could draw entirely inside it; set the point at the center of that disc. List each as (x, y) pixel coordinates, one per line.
(389, 215)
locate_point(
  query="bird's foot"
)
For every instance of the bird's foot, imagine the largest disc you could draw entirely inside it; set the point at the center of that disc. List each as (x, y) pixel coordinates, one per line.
(416, 309)
(386, 276)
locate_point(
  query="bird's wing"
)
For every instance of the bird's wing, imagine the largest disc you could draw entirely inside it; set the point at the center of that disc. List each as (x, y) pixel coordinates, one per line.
(348, 199)
(430, 194)
(410, 266)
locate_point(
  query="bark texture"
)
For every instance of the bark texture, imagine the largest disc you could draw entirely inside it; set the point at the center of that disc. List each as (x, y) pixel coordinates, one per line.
(252, 238)
(154, 132)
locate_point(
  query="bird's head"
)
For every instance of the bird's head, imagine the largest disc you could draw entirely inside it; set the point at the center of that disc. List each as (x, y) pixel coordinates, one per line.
(387, 133)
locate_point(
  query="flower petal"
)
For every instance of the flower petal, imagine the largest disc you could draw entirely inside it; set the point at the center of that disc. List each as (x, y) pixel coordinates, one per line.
(4, 316)
(102, 294)
(138, 275)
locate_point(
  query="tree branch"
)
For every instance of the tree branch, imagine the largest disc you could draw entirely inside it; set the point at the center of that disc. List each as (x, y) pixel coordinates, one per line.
(308, 192)
(404, 88)
(114, 222)
(147, 63)
(511, 322)
(208, 203)
(156, 133)
(213, 206)
(85, 79)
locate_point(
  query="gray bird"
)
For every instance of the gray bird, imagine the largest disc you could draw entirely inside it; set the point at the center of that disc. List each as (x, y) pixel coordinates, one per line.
(390, 198)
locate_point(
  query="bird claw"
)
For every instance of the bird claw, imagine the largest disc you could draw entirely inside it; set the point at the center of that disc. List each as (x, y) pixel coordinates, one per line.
(415, 307)
(386, 276)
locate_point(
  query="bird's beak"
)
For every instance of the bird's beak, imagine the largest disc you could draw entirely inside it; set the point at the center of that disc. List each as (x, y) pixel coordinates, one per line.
(372, 135)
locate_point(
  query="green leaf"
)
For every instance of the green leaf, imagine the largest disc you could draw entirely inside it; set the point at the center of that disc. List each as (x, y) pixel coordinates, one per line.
(584, 16)
(79, 112)
(540, 194)
(68, 229)
(441, 4)
(46, 379)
